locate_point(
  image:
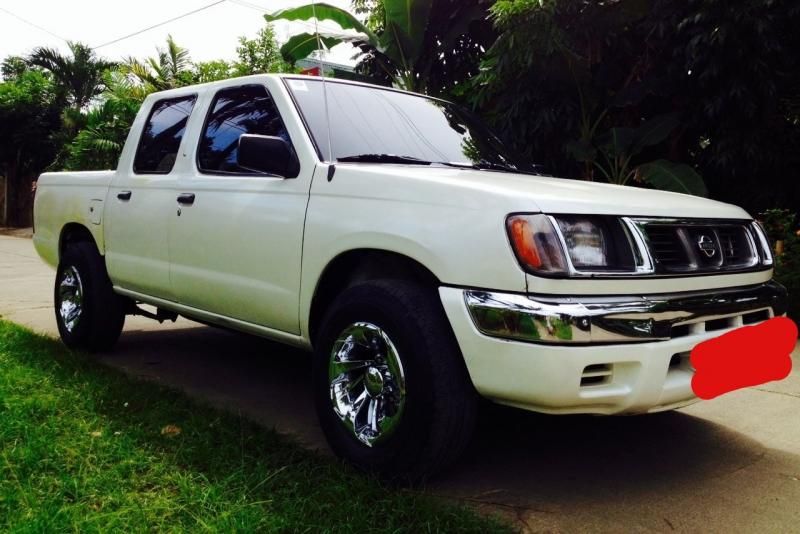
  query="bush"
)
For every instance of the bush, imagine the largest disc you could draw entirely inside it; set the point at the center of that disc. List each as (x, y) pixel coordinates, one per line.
(787, 272)
(781, 227)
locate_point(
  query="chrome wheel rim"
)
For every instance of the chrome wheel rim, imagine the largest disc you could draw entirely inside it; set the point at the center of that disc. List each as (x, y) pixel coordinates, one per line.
(70, 296)
(367, 382)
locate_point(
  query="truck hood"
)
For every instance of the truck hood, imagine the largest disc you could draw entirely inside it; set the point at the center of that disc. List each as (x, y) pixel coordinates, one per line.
(521, 192)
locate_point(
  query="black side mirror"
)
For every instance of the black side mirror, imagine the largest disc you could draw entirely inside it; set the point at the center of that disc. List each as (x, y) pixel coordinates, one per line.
(267, 154)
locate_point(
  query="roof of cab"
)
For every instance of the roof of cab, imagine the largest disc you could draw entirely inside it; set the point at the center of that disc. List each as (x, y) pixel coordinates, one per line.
(255, 78)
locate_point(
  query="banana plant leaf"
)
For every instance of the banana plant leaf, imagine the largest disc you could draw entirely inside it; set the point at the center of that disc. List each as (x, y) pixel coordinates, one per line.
(631, 141)
(677, 177)
(406, 24)
(322, 12)
(655, 130)
(300, 46)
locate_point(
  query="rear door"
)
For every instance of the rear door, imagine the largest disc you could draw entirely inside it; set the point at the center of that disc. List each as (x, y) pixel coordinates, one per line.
(236, 236)
(141, 200)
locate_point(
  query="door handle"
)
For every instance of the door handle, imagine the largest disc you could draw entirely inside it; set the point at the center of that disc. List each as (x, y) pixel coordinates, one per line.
(124, 195)
(187, 199)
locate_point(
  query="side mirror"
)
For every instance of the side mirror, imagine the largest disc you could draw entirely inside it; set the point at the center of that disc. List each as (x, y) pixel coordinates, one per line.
(267, 154)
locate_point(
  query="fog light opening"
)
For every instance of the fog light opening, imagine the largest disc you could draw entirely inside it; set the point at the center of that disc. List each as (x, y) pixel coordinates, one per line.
(596, 375)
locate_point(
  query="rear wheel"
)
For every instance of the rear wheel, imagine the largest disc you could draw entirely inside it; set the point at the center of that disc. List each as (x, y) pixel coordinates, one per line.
(89, 315)
(391, 388)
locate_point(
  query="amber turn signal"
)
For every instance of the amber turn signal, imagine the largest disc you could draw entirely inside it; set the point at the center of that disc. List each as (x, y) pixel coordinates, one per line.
(522, 238)
(536, 244)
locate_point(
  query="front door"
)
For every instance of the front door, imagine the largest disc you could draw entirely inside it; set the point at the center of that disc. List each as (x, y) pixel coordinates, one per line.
(236, 236)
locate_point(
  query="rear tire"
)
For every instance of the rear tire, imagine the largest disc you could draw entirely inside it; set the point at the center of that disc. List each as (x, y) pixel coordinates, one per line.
(89, 315)
(418, 408)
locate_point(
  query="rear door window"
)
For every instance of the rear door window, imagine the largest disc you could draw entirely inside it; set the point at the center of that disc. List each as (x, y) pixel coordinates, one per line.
(248, 109)
(162, 135)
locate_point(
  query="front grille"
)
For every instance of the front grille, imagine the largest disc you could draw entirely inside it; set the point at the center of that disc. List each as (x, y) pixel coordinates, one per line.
(735, 246)
(700, 247)
(666, 246)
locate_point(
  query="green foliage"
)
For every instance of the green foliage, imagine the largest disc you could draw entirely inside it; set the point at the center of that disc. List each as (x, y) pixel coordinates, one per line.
(88, 449)
(13, 67)
(781, 226)
(778, 223)
(212, 71)
(99, 144)
(670, 176)
(323, 12)
(303, 45)
(372, 11)
(171, 68)
(619, 148)
(30, 109)
(420, 45)
(787, 272)
(563, 74)
(260, 55)
(404, 33)
(80, 77)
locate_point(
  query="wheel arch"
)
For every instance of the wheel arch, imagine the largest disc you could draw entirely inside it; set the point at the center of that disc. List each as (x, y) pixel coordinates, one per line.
(359, 265)
(75, 232)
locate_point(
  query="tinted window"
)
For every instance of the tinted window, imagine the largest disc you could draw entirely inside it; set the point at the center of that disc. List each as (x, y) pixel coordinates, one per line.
(161, 138)
(371, 120)
(240, 110)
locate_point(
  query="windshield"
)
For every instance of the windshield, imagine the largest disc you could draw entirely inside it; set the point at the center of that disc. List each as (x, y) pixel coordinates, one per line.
(386, 126)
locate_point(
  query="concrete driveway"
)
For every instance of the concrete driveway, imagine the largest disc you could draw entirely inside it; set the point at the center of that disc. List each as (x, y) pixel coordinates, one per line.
(732, 464)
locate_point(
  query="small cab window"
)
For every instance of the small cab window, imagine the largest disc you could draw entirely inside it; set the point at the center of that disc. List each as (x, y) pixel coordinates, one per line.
(162, 135)
(240, 110)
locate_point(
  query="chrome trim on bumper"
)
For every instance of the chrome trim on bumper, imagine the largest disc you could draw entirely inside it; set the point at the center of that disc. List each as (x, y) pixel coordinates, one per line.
(625, 319)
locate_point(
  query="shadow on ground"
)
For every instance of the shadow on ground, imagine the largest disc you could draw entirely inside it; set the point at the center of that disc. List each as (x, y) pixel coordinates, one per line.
(262, 380)
(656, 472)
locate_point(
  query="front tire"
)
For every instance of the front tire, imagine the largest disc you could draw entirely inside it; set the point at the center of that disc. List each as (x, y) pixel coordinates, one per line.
(89, 315)
(391, 389)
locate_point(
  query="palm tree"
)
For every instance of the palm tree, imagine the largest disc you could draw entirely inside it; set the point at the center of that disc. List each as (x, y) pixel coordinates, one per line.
(99, 143)
(171, 68)
(80, 76)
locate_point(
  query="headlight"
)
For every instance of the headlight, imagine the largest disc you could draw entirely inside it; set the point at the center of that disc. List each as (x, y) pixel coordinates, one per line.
(586, 243)
(764, 244)
(570, 244)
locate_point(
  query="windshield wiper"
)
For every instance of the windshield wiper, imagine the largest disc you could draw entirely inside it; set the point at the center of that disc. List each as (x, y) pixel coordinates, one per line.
(484, 165)
(383, 158)
(481, 166)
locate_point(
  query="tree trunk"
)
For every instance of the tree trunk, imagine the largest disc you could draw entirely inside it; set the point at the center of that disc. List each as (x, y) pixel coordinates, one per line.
(20, 198)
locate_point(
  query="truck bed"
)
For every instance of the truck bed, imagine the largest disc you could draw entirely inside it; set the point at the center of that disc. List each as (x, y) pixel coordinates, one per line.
(68, 197)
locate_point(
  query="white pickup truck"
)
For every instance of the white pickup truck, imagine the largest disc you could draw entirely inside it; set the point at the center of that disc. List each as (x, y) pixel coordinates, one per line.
(398, 239)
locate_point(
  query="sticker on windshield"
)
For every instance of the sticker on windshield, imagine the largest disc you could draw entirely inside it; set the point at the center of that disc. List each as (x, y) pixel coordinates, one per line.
(298, 85)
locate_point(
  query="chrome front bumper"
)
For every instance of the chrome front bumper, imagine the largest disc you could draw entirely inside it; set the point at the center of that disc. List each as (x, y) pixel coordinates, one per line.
(623, 319)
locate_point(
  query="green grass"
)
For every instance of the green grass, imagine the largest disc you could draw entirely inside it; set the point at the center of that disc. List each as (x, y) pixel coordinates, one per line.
(82, 449)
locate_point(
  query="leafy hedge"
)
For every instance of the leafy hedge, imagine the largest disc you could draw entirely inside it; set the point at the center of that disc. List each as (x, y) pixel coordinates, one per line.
(781, 227)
